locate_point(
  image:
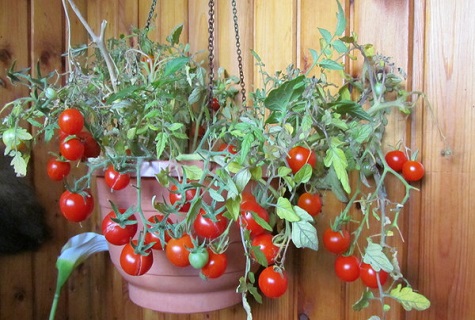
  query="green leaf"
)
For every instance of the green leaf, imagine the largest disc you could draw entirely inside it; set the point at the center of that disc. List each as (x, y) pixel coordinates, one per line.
(327, 36)
(339, 46)
(352, 108)
(284, 171)
(279, 98)
(192, 172)
(242, 179)
(304, 174)
(341, 21)
(285, 211)
(376, 258)
(174, 37)
(175, 126)
(335, 185)
(335, 157)
(409, 299)
(259, 255)
(304, 235)
(19, 164)
(232, 205)
(215, 195)
(303, 215)
(160, 144)
(174, 65)
(330, 64)
(364, 301)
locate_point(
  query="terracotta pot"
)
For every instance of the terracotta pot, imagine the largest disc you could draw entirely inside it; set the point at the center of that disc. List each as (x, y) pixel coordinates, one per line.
(165, 286)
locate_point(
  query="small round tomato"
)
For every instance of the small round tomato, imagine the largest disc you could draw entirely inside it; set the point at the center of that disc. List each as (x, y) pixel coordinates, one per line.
(337, 242)
(198, 258)
(72, 149)
(249, 208)
(214, 104)
(216, 266)
(71, 121)
(347, 268)
(174, 197)
(299, 156)
(207, 227)
(151, 236)
(76, 207)
(228, 148)
(10, 138)
(312, 203)
(413, 170)
(116, 180)
(114, 232)
(178, 250)
(134, 263)
(266, 245)
(92, 149)
(57, 170)
(273, 282)
(369, 276)
(395, 159)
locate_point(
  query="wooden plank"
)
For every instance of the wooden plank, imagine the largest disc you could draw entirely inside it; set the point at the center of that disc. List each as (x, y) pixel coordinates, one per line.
(198, 28)
(446, 256)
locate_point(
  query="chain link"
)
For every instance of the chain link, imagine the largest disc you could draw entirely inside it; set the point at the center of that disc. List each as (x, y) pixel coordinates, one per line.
(211, 47)
(150, 14)
(239, 53)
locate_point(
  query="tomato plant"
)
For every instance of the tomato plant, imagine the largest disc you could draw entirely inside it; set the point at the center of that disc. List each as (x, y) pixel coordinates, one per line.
(134, 263)
(116, 180)
(198, 258)
(216, 266)
(337, 242)
(395, 159)
(72, 149)
(369, 276)
(273, 282)
(312, 203)
(151, 236)
(299, 156)
(347, 268)
(250, 210)
(264, 242)
(413, 170)
(57, 170)
(176, 197)
(118, 233)
(177, 250)
(207, 227)
(71, 121)
(76, 207)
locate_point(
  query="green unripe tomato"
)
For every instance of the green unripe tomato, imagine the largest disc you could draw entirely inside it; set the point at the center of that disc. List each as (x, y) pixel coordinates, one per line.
(198, 258)
(50, 93)
(379, 89)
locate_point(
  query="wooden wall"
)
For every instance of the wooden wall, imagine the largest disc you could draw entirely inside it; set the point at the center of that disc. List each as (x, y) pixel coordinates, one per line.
(431, 39)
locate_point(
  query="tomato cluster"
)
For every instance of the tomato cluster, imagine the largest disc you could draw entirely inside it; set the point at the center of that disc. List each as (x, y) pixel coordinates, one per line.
(411, 170)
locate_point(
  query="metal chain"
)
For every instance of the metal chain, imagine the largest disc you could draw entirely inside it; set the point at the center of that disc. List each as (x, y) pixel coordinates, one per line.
(239, 53)
(211, 47)
(150, 15)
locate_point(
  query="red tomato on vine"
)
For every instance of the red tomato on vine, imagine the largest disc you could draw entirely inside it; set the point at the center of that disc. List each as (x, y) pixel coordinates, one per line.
(116, 180)
(369, 276)
(178, 250)
(216, 265)
(312, 203)
(71, 121)
(273, 282)
(413, 170)
(347, 268)
(114, 232)
(76, 207)
(133, 263)
(299, 156)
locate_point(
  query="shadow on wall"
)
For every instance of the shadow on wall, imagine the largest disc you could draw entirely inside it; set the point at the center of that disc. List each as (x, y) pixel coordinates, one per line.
(22, 225)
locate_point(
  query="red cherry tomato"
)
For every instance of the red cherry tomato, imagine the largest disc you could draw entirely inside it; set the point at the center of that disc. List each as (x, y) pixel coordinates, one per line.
(57, 170)
(369, 276)
(347, 268)
(71, 121)
(115, 233)
(312, 203)
(72, 149)
(134, 263)
(151, 236)
(395, 159)
(299, 156)
(273, 282)
(214, 104)
(266, 245)
(337, 242)
(413, 170)
(216, 266)
(177, 250)
(207, 227)
(248, 208)
(92, 149)
(116, 180)
(175, 196)
(228, 148)
(76, 207)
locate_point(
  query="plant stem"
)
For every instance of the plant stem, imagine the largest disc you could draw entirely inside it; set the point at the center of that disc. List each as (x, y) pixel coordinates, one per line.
(100, 42)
